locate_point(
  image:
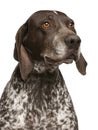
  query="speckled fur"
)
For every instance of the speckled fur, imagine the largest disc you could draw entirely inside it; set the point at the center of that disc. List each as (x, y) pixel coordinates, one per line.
(42, 102)
(36, 97)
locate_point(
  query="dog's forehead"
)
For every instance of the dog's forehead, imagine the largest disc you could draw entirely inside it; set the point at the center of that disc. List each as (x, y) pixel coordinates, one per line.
(55, 17)
(45, 13)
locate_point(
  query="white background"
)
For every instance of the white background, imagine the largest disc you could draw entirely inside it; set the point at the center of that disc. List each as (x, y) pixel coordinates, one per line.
(83, 89)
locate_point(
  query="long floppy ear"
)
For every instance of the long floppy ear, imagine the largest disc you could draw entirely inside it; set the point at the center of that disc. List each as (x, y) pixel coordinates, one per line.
(20, 53)
(81, 64)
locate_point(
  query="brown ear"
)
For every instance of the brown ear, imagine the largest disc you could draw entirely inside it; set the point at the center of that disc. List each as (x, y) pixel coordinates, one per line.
(19, 40)
(25, 63)
(20, 53)
(81, 64)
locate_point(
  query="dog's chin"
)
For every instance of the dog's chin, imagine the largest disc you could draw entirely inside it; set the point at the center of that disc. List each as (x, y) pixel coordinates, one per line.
(68, 61)
(71, 58)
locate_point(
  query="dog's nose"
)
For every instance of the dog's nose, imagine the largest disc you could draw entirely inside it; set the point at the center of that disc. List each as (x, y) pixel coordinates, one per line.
(73, 41)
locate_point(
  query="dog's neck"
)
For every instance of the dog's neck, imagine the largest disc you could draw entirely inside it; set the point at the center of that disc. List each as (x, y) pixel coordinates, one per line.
(39, 68)
(42, 67)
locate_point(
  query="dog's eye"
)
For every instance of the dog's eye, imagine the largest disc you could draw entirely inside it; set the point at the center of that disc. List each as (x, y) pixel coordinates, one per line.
(45, 25)
(71, 25)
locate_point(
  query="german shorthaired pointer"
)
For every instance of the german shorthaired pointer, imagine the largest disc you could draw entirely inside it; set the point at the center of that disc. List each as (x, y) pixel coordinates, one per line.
(36, 97)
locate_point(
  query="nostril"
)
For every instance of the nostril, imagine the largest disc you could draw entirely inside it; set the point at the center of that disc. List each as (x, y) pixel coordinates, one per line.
(78, 40)
(71, 41)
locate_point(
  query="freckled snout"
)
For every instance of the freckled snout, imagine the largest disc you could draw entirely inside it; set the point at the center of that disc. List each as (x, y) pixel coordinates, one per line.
(65, 50)
(73, 41)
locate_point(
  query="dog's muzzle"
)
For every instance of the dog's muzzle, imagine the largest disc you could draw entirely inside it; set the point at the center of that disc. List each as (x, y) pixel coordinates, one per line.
(72, 43)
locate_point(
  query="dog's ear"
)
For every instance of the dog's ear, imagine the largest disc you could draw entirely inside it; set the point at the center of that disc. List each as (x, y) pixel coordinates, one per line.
(81, 64)
(20, 53)
(21, 33)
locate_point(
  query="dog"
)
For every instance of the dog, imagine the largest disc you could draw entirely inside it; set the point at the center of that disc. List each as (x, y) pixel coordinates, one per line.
(36, 97)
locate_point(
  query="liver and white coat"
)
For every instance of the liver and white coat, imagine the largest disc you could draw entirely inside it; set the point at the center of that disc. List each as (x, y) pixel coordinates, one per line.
(36, 97)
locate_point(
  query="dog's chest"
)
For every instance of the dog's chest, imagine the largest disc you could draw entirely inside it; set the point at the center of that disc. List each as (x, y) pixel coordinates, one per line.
(47, 108)
(40, 104)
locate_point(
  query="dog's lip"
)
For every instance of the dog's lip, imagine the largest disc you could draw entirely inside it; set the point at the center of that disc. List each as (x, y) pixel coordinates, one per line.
(49, 60)
(69, 59)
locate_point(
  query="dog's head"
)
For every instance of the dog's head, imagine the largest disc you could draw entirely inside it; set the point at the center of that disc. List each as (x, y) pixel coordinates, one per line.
(48, 36)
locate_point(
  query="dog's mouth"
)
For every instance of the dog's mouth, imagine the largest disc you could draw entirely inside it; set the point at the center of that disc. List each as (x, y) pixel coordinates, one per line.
(68, 59)
(71, 58)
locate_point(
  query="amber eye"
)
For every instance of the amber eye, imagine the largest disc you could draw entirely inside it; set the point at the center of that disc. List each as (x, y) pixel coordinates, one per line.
(71, 26)
(45, 25)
